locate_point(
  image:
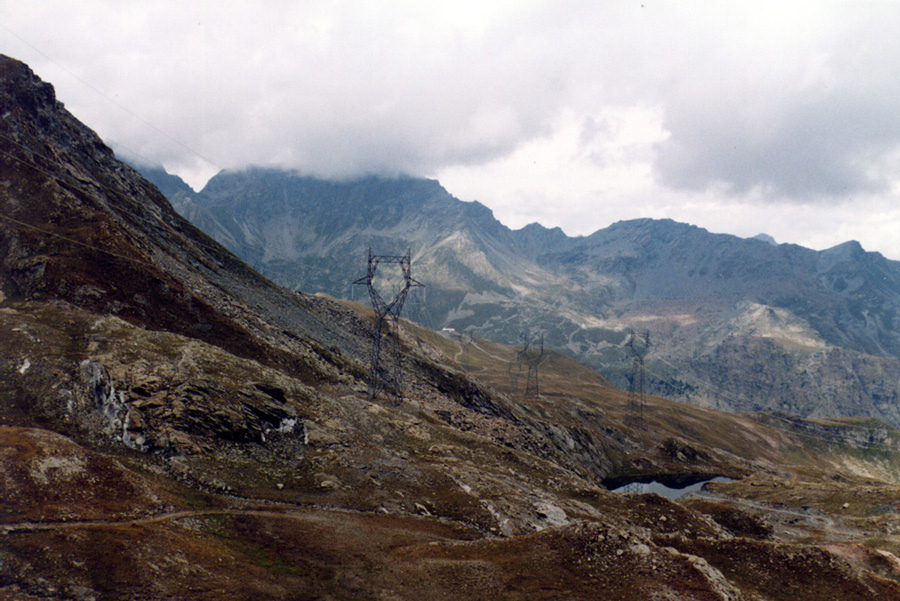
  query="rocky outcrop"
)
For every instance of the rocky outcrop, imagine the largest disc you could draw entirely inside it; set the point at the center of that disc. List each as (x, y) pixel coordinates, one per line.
(150, 413)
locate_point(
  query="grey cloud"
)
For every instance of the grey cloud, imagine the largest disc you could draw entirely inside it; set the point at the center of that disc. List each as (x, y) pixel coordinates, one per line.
(818, 126)
(332, 91)
(342, 90)
(800, 152)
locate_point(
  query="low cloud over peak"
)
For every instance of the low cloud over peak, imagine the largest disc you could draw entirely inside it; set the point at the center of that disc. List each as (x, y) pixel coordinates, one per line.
(575, 114)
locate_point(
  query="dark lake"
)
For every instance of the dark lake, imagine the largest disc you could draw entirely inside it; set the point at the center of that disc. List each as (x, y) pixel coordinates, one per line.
(673, 487)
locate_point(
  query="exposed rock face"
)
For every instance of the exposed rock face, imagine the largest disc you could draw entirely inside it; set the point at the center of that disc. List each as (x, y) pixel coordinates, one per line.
(174, 426)
(821, 324)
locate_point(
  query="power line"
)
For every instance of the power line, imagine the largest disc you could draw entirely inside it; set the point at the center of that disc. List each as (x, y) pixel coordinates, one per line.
(639, 345)
(532, 388)
(791, 430)
(702, 383)
(153, 223)
(78, 242)
(638, 361)
(63, 181)
(98, 91)
(75, 183)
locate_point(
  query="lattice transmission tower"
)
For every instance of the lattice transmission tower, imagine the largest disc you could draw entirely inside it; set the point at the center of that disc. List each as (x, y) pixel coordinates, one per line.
(534, 360)
(386, 372)
(528, 360)
(515, 367)
(638, 344)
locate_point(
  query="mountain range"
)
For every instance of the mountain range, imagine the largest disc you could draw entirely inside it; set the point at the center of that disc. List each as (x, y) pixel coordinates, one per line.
(737, 324)
(173, 425)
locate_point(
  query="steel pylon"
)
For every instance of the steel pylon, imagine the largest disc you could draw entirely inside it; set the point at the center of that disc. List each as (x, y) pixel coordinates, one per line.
(387, 374)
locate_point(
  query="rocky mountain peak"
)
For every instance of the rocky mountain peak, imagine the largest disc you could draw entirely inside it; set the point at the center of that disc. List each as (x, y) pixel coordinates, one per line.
(846, 251)
(170, 185)
(83, 228)
(22, 90)
(539, 240)
(33, 117)
(584, 294)
(765, 238)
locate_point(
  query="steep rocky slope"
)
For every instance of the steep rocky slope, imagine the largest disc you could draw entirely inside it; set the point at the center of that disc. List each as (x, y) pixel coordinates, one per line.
(735, 324)
(743, 324)
(314, 235)
(174, 426)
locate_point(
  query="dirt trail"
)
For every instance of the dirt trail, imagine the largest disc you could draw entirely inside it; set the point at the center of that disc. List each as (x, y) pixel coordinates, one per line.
(275, 509)
(137, 521)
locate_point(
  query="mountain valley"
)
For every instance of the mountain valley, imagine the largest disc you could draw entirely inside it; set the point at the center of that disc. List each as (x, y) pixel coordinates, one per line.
(173, 425)
(735, 324)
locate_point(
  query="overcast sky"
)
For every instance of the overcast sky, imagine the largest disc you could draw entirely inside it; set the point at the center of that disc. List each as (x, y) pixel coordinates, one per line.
(740, 117)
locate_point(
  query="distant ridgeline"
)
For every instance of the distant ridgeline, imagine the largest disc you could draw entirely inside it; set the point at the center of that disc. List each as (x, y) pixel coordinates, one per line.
(737, 324)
